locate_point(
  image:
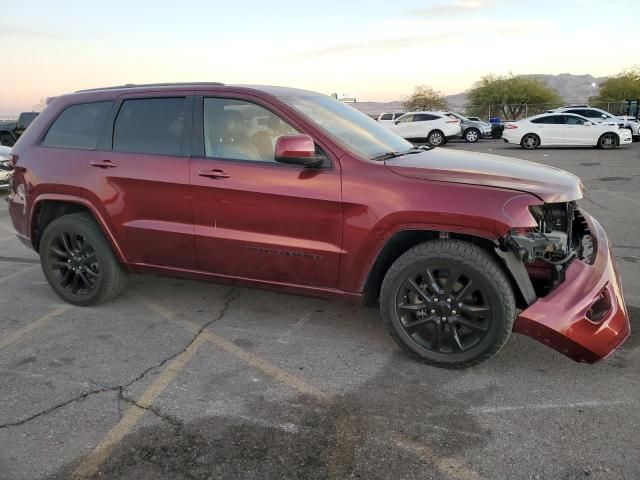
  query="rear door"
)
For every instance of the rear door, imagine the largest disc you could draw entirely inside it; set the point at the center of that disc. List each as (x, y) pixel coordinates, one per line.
(139, 178)
(256, 218)
(550, 129)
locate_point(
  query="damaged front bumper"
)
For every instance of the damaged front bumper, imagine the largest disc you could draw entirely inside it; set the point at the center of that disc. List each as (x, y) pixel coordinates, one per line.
(584, 317)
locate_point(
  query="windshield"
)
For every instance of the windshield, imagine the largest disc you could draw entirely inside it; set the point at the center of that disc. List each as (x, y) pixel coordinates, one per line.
(359, 133)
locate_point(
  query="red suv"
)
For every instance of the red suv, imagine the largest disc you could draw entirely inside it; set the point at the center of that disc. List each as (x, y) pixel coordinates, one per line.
(293, 190)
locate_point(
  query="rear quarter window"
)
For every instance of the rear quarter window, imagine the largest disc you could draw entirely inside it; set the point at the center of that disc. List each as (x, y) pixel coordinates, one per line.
(78, 126)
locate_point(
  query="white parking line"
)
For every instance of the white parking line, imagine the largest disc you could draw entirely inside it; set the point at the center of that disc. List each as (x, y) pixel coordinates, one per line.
(552, 406)
(622, 197)
(284, 338)
(18, 334)
(19, 272)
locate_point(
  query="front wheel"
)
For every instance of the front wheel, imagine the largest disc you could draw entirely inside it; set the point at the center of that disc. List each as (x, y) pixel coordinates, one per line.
(436, 138)
(608, 141)
(78, 261)
(472, 135)
(448, 303)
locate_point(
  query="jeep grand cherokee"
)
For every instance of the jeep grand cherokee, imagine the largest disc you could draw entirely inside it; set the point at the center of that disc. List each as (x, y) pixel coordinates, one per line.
(293, 190)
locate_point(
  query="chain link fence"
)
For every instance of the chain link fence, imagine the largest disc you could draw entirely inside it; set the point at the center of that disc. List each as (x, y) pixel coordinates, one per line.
(510, 112)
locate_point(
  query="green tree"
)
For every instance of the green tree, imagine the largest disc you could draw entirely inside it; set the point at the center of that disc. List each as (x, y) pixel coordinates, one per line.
(511, 95)
(425, 98)
(623, 86)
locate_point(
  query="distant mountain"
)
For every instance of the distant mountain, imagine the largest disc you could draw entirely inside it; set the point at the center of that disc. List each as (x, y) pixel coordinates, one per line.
(572, 88)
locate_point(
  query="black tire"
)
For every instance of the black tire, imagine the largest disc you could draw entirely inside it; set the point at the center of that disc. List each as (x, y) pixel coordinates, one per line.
(530, 141)
(78, 262)
(608, 141)
(484, 294)
(472, 135)
(436, 138)
(7, 139)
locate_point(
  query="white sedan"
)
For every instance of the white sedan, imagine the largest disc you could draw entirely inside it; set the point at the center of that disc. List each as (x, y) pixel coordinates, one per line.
(5, 166)
(435, 127)
(564, 129)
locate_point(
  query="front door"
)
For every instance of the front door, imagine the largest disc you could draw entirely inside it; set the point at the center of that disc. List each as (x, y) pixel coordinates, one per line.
(577, 133)
(256, 218)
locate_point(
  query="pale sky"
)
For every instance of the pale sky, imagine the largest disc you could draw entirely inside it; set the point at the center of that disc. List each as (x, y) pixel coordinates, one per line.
(377, 50)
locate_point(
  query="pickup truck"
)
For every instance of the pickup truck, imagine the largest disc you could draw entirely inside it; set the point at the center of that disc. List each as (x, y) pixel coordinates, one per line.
(11, 130)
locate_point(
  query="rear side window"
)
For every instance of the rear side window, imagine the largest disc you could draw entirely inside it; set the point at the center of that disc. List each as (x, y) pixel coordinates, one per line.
(551, 120)
(425, 117)
(78, 126)
(150, 125)
(386, 116)
(571, 120)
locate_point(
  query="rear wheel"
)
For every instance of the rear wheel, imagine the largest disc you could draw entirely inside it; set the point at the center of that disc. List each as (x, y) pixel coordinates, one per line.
(608, 141)
(436, 138)
(472, 135)
(448, 303)
(530, 141)
(6, 139)
(78, 261)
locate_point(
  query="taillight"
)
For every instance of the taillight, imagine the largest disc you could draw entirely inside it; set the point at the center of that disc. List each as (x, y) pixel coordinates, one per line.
(14, 160)
(453, 121)
(510, 126)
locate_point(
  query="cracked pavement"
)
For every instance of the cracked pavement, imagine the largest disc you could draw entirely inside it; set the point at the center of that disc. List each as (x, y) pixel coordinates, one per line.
(182, 379)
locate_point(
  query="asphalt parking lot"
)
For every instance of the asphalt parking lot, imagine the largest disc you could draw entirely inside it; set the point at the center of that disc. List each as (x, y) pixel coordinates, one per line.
(189, 380)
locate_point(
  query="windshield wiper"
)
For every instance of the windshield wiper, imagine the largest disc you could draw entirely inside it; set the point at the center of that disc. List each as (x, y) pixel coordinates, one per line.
(390, 155)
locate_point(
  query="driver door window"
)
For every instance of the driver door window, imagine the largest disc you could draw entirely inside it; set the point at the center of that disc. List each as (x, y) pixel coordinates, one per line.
(240, 130)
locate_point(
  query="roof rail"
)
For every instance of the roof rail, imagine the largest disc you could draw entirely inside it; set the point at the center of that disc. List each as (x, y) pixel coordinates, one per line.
(136, 85)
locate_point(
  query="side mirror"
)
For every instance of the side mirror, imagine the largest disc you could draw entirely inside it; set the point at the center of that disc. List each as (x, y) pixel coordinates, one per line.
(297, 150)
(603, 116)
(587, 124)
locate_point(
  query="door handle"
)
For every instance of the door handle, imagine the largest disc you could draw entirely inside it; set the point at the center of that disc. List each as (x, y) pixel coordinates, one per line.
(213, 174)
(103, 164)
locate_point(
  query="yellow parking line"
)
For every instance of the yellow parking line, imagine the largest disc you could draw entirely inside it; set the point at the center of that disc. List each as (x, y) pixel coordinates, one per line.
(450, 466)
(19, 272)
(230, 347)
(18, 334)
(344, 423)
(100, 454)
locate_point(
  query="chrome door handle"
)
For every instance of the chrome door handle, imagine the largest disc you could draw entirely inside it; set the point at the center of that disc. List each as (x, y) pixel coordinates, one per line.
(213, 174)
(103, 164)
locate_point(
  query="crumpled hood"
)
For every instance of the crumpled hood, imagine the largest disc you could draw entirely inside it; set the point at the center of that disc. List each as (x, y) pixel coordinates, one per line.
(439, 164)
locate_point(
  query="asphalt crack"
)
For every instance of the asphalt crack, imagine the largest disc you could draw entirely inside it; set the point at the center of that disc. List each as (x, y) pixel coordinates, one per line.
(231, 296)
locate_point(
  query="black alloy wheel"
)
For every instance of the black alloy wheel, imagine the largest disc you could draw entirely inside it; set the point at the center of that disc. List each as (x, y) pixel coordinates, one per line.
(78, 261)
(448, 303)
(443, 309)
(74, 262)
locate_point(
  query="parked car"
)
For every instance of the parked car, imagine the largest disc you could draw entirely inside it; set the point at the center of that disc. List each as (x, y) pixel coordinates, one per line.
(472, 130)
(632, 124)
(5, 166)
(458, 249)
(388, 117)
(596, 115)
(433, 127)
(10, 131)
(554, 129)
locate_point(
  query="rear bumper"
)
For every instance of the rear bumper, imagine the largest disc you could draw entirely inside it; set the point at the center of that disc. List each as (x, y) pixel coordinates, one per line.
(561, 319)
